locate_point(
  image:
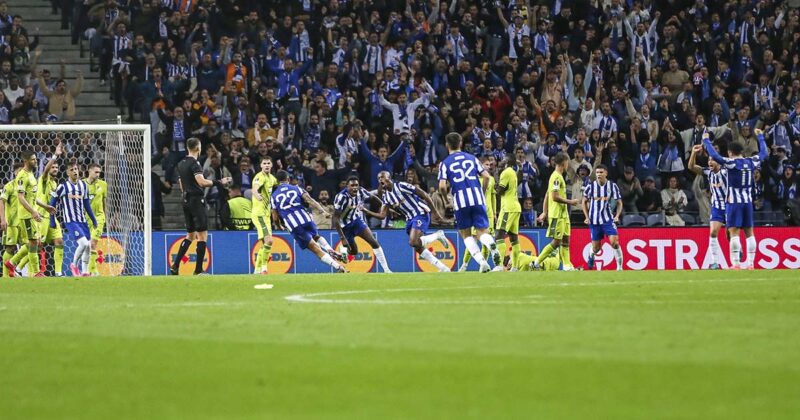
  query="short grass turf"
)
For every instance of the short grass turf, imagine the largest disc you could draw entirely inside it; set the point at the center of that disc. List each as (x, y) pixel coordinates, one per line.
(632, 345)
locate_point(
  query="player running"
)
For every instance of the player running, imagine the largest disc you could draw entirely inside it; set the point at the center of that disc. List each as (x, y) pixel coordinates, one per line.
(557, 214)
(510, 210)
(416, 206)
(98, 191)
(288, 210)
(488, 163)
(72, 198)
(597, 196)
(263, 184)
(717, 177)
(348, 220)
(461, 170)
(739, 200)
(50, 235)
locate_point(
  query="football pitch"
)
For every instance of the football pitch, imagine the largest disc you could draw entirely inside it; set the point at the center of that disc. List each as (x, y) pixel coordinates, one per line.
(632, 345)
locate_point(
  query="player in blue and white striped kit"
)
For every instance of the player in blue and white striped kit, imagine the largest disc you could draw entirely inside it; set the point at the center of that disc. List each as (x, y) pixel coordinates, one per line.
(739, 200)
(415, 205)
(597, 196)
(461, 170)
(71, 198)
(288, 211)
(717, 177)
(348, 220)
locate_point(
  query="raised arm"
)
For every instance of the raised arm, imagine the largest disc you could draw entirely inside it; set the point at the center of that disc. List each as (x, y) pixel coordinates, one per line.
(692, 165)
(711, 151)
(763, 150)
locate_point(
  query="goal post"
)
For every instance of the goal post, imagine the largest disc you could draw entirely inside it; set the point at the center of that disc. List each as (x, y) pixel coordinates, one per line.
(123, 152)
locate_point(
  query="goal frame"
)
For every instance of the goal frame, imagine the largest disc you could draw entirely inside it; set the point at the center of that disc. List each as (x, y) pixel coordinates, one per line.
(147, 149)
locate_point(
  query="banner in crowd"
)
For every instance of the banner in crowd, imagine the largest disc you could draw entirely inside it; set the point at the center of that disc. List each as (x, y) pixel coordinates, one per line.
(232, 252)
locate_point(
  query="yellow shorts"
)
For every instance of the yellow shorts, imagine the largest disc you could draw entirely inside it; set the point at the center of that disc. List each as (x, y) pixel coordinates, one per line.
(263, 226)
(558, 228)
(28, 230)
(11, 236)
(509, 222)
(48, 234)
(97, 232)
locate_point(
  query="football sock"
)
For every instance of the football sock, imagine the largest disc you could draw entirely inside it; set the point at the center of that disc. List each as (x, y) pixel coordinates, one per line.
(87, 254)
(564, 253)
(487, 241)
(735, 248)
(19, 256)
(429, 257)
(465, 260)
(501, 249)
(58, 259)
(7, 256)
(546, 251)
(201, 255)
(33, 260)
(324, 244)
(83, 244)
(618, 255)
(93, 261)
(327, 259)
(381, 259)
(181, 253)
(716, 252)
(428, 239)
(514, 253)
(751, 250)
(472, 247)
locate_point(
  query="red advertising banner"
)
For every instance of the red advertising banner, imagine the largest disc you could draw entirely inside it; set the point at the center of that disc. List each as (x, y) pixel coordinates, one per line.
(687, 248)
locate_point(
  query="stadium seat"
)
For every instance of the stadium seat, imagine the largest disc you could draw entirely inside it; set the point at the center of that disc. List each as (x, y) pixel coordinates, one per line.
(633, 220)
(656, 219)
(689, 219)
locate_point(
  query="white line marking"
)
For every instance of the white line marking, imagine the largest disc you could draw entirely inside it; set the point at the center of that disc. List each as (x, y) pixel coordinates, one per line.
(534, 299)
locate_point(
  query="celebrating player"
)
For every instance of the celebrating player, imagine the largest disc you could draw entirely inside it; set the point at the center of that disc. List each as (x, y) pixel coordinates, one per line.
(348, 219)
(597, 196)
(510, 210)
(739, 200)
(416, 206)
(72, 197)
(717, 177)
(488, 163)
(98, 191)
(47, 234)
(557, 214)
(29, 217)
(461, 170)
(288, 210)
(263, 184)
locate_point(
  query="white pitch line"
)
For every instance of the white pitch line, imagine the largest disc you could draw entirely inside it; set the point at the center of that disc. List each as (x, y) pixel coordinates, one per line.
(317, 297)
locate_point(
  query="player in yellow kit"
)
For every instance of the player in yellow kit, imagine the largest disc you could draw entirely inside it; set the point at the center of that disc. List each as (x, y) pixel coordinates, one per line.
(556, 211)
(489, 164)
(510, 210)
(263, 184)
(9, 224)
(50, 235)
(29, 218)
(98, 191)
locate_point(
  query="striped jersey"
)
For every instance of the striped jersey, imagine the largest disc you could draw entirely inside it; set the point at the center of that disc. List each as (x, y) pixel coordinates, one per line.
(404, 199)
(350, 205)
(462, 171)
(287, 201)
(599, 197)
(718, 184)
(740, 172)
(71, 198)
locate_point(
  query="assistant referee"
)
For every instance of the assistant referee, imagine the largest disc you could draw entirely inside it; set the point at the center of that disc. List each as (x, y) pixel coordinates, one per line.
(192, 182)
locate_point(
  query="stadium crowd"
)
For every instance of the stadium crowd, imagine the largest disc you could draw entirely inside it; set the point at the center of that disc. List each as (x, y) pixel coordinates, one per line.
(327, 88)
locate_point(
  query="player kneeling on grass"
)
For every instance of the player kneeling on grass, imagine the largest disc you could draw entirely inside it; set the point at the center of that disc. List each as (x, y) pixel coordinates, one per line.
(525, 262)
(415, 205)
(288, 211)
(348, 219)
(72, 198)
(597, 196)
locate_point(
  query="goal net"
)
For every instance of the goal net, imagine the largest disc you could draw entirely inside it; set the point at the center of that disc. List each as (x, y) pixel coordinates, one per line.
(123, 154)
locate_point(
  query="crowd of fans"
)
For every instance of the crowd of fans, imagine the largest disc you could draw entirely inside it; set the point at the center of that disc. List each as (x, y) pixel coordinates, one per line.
(330, 87)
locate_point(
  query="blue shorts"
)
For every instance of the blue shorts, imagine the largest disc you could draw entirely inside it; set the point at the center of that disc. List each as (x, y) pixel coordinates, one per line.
(77, 230)
(605, 230)
(472, 217)
(739, 215)
(352, 229)
(419, 223)
(717, 215)
(304, 234)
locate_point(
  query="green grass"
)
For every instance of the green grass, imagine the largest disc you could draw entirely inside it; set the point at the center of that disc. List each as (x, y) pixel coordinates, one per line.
(630, 345)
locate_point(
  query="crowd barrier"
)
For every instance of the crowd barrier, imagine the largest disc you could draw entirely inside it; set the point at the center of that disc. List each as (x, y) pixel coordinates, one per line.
(644, 249)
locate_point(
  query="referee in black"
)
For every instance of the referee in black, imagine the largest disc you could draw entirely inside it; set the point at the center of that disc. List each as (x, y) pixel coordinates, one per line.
(192, 182)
